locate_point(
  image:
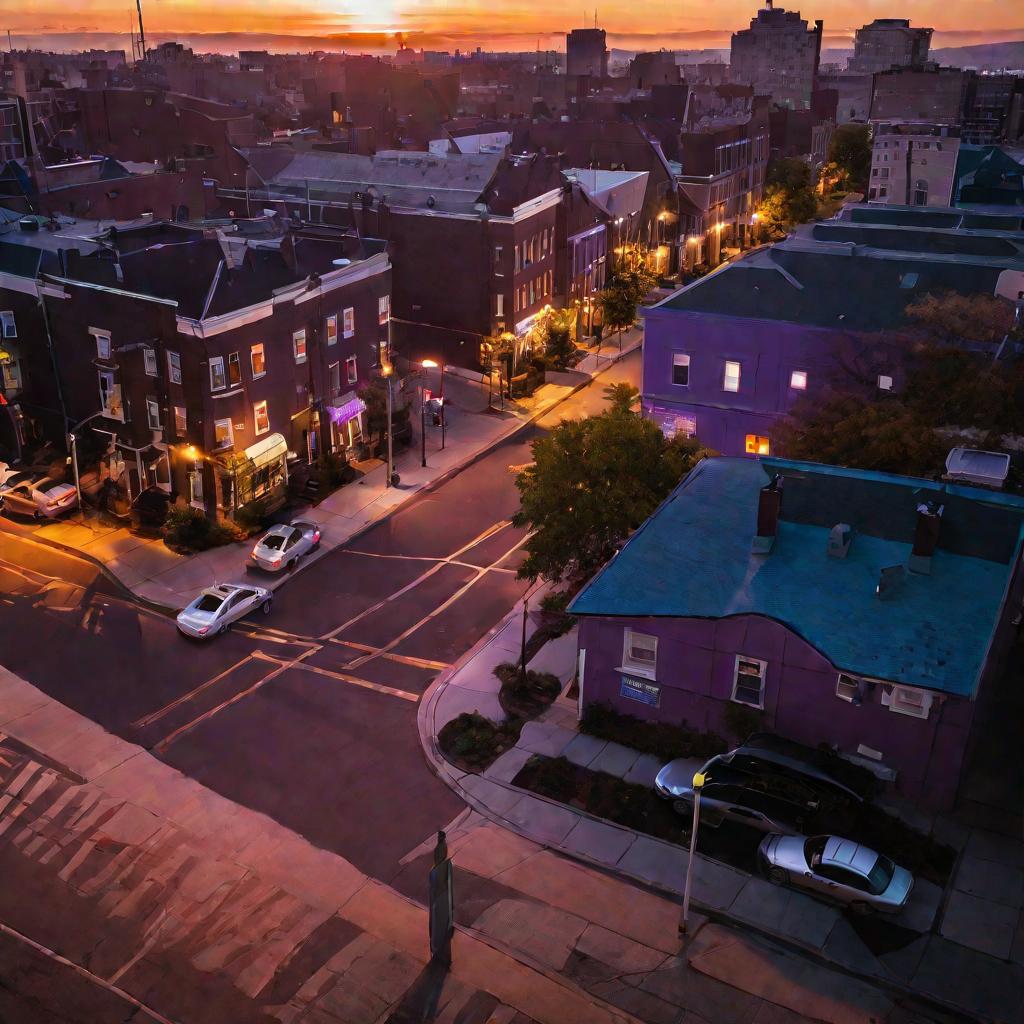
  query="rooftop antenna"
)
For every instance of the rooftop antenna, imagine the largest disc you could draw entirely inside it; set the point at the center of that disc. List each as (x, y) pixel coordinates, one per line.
(142, 32)
(10, 45)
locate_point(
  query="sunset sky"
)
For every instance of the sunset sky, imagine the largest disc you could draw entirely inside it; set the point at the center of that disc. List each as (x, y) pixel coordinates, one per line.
(521, 24)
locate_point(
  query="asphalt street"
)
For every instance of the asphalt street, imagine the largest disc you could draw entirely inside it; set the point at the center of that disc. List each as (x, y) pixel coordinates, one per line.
(309, 714)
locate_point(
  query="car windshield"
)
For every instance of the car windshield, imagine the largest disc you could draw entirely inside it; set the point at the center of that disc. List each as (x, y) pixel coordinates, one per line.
(209, 603)
(813, 849)
(880, 875)
(273, 541)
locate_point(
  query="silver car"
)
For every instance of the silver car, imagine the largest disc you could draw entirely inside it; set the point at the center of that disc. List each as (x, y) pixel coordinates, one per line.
(218, 606)
(837, 869)
(283, 545)
(39, 497)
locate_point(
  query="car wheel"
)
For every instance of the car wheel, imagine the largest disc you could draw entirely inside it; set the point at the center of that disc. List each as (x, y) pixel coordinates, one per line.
(777, 876)
(223, 629)
(683, 807)
(860, 908)
(37, 515)
(266, 606)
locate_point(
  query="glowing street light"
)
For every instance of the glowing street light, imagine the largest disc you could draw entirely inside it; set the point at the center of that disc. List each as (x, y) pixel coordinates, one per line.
(698, 784)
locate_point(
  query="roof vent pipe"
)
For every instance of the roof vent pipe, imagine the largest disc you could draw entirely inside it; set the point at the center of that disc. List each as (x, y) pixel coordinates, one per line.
(926, 537)
(769, 504)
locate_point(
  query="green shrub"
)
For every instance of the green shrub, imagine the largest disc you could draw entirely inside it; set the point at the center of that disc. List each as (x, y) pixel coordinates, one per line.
(189, 529)
(474, 742)
(742, 721)
(661, 739)
(252, 516)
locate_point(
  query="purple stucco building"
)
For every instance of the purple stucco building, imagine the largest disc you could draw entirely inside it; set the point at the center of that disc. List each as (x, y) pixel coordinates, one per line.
(726, 357)
(863, 611)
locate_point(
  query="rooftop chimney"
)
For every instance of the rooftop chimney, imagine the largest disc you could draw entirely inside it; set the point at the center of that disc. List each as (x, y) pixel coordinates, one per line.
(926, 537)
(839, 538)
(769, 503)
(889, 580)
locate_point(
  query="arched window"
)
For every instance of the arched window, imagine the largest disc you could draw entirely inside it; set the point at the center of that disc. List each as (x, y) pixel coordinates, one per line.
(920, 192)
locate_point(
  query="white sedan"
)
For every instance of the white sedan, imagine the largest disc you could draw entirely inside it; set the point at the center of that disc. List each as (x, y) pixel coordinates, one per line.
(283, 545)
(217, 607)
(41, 498)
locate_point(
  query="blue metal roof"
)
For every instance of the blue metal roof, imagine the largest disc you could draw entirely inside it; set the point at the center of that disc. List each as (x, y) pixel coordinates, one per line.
(693, 558)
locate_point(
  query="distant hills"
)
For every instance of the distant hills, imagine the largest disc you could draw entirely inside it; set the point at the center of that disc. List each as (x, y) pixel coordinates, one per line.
(986, 55)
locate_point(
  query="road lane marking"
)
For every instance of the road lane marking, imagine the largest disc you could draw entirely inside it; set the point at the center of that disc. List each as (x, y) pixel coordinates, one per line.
(155, 716)
(357, 681)
(491, 530)
(402, 659)
(391, 644)
(282, 666)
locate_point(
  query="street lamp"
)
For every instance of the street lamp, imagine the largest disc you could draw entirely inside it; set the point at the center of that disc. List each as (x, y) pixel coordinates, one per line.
(429, 364)
(698, 785)
(386, 370)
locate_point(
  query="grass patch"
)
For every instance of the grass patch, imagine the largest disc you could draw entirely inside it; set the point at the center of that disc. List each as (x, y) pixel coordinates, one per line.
(527, 700)
(625, 803)
(474, 743)
(661, 739)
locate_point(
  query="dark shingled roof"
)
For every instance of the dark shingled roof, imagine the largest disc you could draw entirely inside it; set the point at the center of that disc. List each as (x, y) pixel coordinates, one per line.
(911, 240)
(823, 289)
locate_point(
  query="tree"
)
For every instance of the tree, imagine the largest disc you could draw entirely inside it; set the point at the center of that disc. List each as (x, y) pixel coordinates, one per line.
(555, 329)
(622, 397)
(951, 318)
(618, 306)
(593, 481)
(850, 152)
(788, 195)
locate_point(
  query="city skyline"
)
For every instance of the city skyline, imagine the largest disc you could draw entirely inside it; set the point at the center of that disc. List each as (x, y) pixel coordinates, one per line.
(373, 26)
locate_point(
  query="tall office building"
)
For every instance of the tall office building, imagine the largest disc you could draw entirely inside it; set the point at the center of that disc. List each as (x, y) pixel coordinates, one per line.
(586, 52)
(778, 55)
(889, 43)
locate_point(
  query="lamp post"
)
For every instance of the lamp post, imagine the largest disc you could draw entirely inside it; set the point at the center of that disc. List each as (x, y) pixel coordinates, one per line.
(423, 429)
(698, 784)
(430, 364)
(386, 371)
(73, 445)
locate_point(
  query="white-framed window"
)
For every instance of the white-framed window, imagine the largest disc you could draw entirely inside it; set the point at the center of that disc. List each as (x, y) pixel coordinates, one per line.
(153, 413)
(234, 370)
(258, 360)
(174, 367)
(334, 379)
(102, 346)
(149, 361)
(906, 701)
(499, 304)
(847, 687)
(748, 683)
(261, 418)
(798, 380)
(10, 328)
(348, 322)
(299, 345)
(110, 395)
(384, 309)
(223, 436)
(639, 652)
(680, 369)
(884, 382)
(351, 370)
(332, 329)
(497, 261)
(731, 376)
(180, 421)
(218, 379)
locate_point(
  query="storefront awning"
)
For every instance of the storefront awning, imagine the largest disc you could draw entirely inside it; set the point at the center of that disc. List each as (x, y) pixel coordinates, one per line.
(346, 408)
(267, 450)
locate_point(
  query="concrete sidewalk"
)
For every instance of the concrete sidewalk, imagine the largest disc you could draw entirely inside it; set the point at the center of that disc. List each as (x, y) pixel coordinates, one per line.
(134, 866)
(970, 931)
(154, 573)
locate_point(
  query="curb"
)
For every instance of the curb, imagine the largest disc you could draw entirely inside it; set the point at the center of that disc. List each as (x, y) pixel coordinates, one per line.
(452, 777)
(425, 488)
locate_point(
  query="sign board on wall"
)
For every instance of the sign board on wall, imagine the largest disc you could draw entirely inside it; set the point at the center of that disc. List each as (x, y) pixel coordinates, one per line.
(640, 690)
